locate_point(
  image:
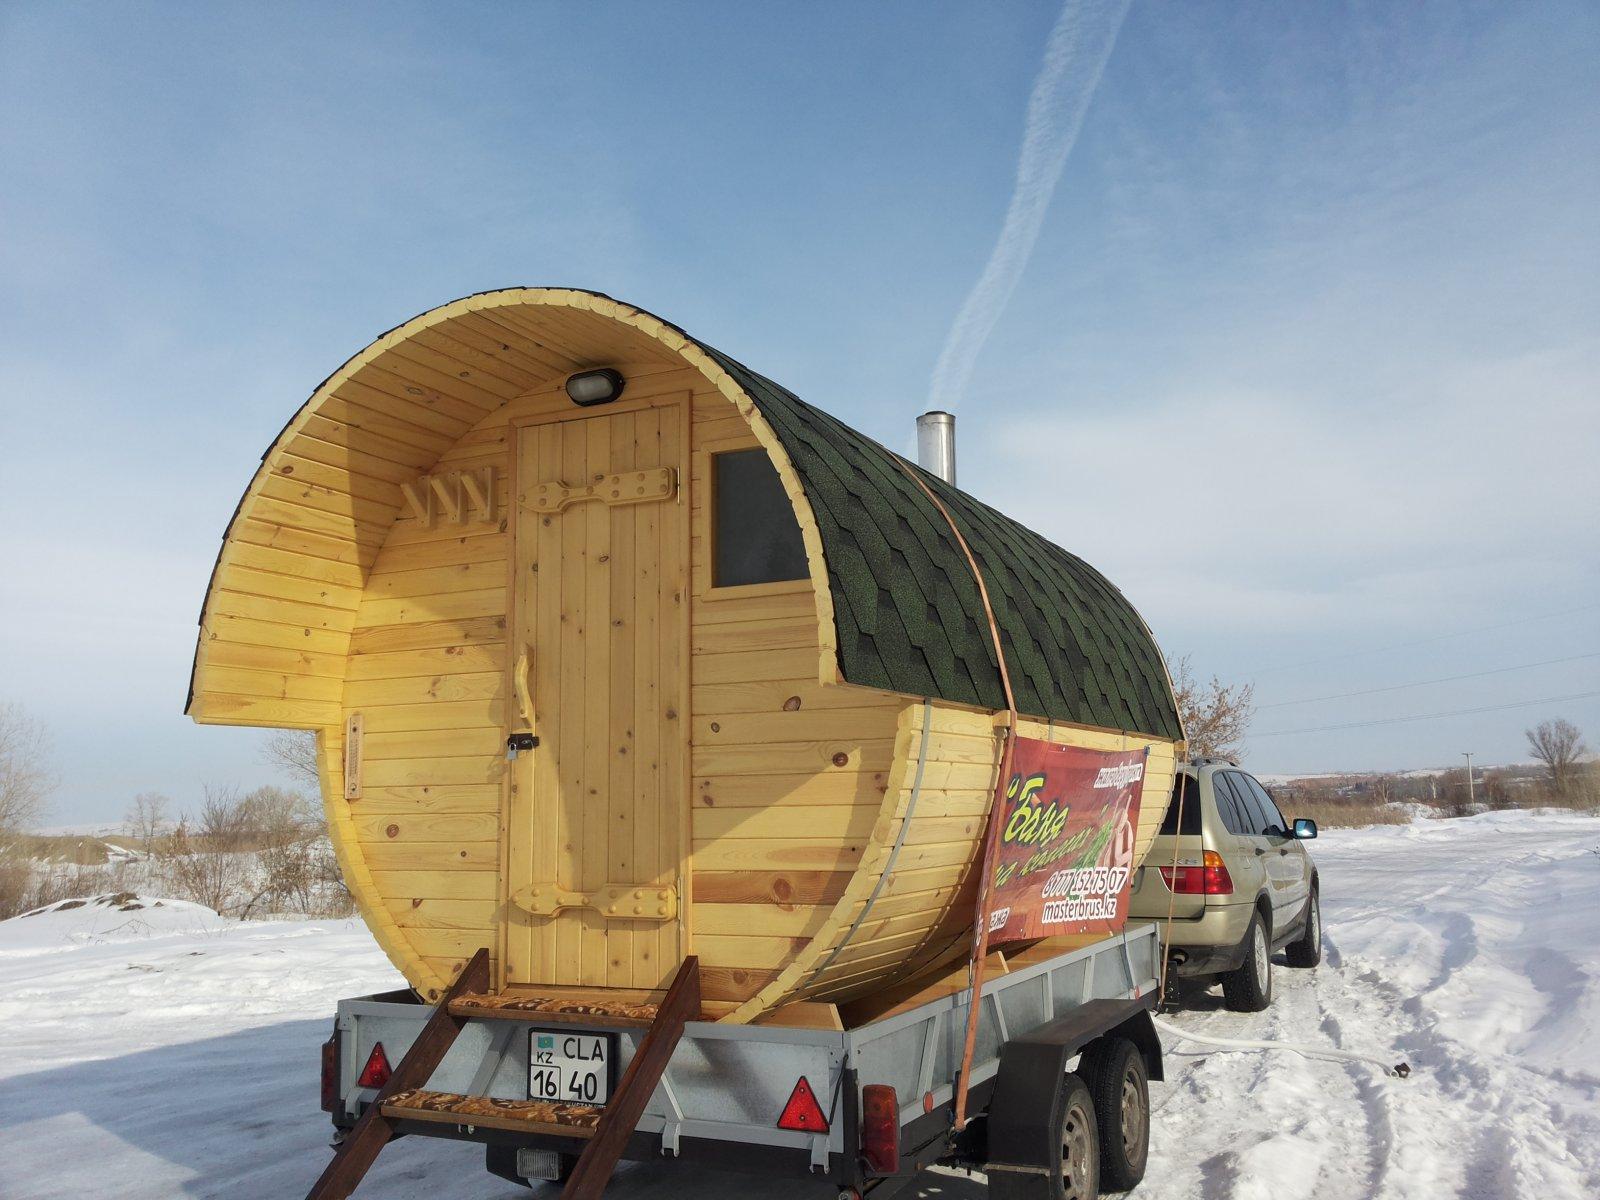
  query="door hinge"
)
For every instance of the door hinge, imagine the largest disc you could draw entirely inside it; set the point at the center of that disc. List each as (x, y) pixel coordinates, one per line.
(614, 901)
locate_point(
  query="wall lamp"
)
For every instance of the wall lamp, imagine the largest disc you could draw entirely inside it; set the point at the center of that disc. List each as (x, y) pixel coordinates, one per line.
(601, 386)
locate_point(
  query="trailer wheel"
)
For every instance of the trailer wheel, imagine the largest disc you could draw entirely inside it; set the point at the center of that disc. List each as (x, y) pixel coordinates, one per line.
(1118, 1081)
(1074, 1172)
(1248, 988)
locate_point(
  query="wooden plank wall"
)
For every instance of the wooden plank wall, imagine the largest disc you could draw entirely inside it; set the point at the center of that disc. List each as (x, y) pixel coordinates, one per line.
(290, 576)
(427, 673)
(788, 775)
(923, 915)
(430, 673)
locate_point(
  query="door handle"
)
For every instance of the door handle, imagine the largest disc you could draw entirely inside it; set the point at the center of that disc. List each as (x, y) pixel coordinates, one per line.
(1259, 851)
(524, 738)
(1284, 851)
(524, 686)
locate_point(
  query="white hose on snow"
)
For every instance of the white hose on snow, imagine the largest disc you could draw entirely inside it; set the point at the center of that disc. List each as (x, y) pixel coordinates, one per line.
(1399, 1070)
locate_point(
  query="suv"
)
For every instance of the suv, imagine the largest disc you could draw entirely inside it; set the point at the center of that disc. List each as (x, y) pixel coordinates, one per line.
(1236, 881)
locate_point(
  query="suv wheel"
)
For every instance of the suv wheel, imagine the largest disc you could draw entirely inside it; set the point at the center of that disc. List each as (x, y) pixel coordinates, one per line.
(1248, 988)
(1306, 950)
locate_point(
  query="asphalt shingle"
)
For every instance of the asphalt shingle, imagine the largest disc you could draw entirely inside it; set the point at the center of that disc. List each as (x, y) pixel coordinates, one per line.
(908, 612)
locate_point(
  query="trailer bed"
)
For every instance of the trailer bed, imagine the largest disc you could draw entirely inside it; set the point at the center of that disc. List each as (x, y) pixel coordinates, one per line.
(725, 1086)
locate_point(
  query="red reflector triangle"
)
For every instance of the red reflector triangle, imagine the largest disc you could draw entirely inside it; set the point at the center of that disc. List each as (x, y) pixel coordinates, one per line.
(376, 1073)
(803, 1112)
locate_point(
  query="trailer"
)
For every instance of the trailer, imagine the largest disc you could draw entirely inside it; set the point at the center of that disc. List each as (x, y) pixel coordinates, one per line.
(1058, 1082)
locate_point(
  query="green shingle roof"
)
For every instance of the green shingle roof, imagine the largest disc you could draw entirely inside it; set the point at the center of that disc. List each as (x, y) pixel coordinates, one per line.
(908, 614)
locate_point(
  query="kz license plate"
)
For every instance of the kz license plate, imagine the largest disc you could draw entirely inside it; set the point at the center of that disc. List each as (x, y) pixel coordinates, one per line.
(570, 1066)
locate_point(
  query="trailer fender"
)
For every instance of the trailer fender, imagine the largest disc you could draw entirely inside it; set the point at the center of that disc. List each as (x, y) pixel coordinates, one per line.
(1024, 1125)
(1141, 1031)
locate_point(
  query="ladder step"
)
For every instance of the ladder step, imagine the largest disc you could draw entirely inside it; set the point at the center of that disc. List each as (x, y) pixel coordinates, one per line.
(524, 1116)
(555, 1010)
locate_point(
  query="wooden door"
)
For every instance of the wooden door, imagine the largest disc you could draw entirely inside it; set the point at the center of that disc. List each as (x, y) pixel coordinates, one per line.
(595, 843)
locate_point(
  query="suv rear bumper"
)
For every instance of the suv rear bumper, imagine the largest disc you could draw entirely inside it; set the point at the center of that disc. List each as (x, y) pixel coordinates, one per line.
(1189, 963)
(1211, 942)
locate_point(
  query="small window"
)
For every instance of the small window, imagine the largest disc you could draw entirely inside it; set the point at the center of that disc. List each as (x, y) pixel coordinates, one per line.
(757, 537)
(1187, 789)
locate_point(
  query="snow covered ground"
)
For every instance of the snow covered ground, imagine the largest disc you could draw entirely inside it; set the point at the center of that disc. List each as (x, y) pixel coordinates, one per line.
(162, 1052)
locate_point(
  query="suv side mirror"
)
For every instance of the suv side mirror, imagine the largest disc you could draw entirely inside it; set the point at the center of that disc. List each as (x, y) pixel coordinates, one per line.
(1305, 828)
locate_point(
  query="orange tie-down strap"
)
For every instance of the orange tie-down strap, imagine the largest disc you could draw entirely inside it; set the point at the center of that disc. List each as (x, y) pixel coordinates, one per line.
(980, 921)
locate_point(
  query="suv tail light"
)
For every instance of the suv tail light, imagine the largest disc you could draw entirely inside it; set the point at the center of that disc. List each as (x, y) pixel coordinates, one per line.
(376, 1073)
(880, 1128)
(330, 1074)
(1211, 878)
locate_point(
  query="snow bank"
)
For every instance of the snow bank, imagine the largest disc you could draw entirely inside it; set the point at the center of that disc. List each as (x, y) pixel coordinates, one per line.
(162, 1061)
(101, 920)
(1470, 948)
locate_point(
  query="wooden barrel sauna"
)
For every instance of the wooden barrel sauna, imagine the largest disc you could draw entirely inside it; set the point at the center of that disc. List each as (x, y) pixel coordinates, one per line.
(749, 647)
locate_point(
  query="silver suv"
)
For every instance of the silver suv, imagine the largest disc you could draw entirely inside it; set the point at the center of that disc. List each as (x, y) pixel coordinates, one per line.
(1236, 880)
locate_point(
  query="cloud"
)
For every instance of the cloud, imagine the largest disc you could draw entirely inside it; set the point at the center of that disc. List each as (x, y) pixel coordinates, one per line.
(1296, 510)
(1074, 59)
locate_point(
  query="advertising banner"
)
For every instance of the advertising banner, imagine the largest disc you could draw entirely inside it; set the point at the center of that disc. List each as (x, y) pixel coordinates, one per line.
(1068, 819)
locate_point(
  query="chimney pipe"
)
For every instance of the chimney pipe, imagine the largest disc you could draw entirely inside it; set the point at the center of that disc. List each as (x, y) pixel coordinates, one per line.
(936, 445)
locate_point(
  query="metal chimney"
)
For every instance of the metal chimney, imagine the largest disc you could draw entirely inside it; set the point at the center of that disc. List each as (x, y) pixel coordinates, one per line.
(936, 444)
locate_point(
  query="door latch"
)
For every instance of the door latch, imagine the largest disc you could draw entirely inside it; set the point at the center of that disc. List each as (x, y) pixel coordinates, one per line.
(517, 743)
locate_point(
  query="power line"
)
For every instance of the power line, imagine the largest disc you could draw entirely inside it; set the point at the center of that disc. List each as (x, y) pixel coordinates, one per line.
(1442, 637)
(1459, 712)
(1397, 687)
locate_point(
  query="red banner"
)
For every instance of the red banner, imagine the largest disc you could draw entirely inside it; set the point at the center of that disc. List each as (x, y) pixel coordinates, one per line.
(1068, 819)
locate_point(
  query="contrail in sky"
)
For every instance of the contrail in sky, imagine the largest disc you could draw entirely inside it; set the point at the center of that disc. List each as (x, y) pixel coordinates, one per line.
(1074, 58)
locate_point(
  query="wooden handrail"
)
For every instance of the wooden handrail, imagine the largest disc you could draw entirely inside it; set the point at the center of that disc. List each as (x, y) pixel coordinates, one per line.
(373, 1131)
(621, 1117)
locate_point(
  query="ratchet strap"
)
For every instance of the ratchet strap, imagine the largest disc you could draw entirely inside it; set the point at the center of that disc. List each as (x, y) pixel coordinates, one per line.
(991, 840)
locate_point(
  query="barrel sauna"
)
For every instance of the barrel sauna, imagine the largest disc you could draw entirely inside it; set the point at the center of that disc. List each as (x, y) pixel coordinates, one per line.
(749, 648)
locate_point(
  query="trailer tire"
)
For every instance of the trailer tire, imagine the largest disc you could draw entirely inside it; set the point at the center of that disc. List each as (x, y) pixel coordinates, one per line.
(1074, 1172)
(1306, 950)
(1118, 1080)
(1248, 988)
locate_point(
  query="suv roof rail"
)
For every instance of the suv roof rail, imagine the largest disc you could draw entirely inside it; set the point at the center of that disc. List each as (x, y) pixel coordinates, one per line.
(1207, 760)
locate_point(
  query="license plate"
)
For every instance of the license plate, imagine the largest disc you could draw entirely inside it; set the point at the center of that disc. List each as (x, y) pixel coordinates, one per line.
(568, 1066)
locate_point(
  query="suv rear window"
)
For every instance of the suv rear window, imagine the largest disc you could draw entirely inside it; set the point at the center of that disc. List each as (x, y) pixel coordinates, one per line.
(1187, 789)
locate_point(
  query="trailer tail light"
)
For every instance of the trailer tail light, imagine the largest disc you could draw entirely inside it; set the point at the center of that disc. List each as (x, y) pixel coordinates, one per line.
(330, 1075)
(880, 1128)
(1211, 878)
(376, 1073)
(802, 1113)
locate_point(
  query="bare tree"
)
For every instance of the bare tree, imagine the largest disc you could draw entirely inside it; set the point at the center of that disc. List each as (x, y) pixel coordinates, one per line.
(25, 777)
(294, 752)
(224, 820)
(1216, 716)
(1559, 746)
(146, 818)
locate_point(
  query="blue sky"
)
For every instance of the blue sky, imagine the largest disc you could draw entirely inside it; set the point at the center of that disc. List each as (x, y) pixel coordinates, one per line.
(1305, 359)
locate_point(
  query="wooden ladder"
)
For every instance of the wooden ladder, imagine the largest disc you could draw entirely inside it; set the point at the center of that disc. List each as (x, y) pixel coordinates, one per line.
(607, 1130)
(372, 1132)
(621, 1116)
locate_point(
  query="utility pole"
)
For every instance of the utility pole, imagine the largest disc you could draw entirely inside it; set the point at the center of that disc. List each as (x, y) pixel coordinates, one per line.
(1467, 754)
